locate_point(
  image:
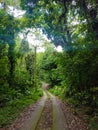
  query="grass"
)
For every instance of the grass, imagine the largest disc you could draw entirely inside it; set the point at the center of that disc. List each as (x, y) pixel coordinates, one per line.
(13, 108)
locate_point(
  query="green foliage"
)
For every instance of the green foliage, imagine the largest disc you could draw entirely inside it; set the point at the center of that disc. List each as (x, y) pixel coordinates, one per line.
(49, 67)
(30, 65)
(57, 90)
(14, 107)
(93, 125)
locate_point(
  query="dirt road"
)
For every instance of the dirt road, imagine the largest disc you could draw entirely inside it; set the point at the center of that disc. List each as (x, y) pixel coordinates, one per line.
(48, 114)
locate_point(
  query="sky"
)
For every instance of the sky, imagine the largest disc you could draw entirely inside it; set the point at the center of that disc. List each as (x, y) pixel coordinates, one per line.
(31, 38)
(35, 41)
(16, 12)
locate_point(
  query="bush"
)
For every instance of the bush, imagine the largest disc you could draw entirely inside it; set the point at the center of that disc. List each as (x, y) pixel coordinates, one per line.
(14, 107)
(57, 90)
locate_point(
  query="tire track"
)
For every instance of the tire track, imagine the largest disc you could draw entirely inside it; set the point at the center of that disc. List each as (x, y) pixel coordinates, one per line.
(45, 122)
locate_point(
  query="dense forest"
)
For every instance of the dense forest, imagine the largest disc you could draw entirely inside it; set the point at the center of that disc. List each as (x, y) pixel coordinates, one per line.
(71, 73)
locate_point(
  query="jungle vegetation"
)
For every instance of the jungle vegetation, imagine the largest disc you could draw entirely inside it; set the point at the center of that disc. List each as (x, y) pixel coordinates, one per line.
(71, 24)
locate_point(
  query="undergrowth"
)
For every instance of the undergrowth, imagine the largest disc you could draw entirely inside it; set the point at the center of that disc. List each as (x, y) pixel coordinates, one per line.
(57, 91)
(14, 107)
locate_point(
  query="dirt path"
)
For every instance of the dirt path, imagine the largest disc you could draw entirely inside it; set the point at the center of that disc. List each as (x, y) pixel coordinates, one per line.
(52, 117)
(45, 122)
(48, 114)
(45, 115)
(59, 120)
(29, 118)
